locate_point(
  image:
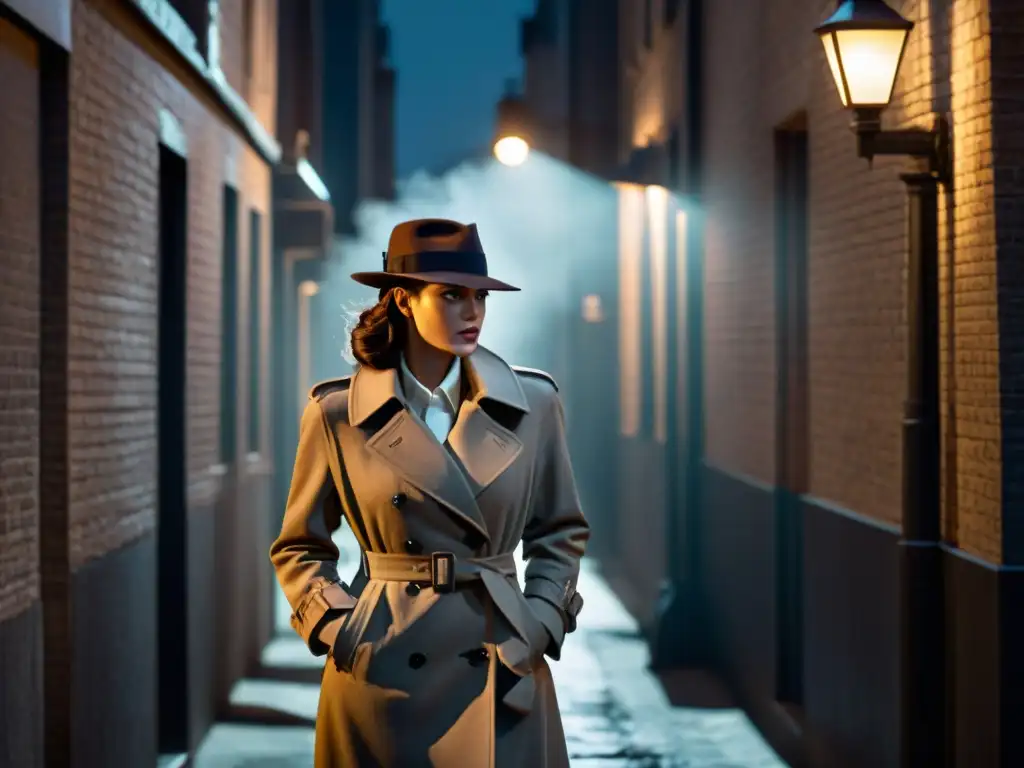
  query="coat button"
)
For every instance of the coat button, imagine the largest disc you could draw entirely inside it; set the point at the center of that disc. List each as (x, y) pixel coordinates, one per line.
(417, 660)
(412, 589)
(477, 657)
(398, 500)
(413, 547)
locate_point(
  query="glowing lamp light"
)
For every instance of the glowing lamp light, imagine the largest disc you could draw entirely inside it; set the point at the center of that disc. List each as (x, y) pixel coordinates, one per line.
(511, 150)
(864, 43)
(512, 136)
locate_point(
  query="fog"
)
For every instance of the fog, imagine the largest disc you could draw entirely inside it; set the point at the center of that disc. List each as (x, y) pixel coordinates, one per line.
(546, 228)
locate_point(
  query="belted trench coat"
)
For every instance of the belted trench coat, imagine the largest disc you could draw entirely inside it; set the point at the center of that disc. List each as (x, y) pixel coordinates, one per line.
(440, 661)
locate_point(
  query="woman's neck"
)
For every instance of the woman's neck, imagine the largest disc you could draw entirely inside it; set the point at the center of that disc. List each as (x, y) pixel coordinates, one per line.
(427, 363)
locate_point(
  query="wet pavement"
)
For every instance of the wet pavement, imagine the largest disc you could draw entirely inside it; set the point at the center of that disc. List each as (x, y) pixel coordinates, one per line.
(615, 711)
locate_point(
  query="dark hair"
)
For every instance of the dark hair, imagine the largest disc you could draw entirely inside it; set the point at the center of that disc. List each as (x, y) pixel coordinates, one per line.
(380, 333)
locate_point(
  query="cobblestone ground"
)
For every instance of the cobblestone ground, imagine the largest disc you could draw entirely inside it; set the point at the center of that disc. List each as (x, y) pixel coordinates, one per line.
(614, 710)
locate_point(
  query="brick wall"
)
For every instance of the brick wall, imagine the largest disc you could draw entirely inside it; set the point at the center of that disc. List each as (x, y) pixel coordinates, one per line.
(117, 92)
(857, 253)
(971, 351)
(19, 322)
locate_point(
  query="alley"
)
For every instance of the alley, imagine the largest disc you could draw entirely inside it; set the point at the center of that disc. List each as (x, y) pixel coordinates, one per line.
(616, 712)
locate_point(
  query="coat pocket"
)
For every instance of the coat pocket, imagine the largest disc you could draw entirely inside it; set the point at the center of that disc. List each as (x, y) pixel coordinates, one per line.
(352, 631)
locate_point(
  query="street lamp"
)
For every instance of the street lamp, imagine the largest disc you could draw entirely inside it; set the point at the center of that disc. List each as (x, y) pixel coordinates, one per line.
(511, 150)
(512, 134)
(864, 42)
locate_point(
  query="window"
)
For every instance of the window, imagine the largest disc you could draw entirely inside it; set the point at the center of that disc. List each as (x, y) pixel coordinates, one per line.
(255, 327)
(229, 328)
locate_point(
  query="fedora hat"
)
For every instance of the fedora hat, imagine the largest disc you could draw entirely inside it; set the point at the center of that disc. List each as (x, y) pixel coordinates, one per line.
(434, 251)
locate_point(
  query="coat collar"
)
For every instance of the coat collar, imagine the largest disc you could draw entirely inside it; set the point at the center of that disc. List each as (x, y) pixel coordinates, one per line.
(488, 378)
(481, 448)
(419, 397)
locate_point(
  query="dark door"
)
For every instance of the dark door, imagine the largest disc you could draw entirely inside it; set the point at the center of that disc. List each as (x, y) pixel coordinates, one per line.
(172, 554)
(229, 328)
(791, 405)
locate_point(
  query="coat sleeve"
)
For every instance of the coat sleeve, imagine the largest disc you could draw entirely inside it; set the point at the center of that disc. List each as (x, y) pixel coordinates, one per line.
(304, 556)
(556, 534)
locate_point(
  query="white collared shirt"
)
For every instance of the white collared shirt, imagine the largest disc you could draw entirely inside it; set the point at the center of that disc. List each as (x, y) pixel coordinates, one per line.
(438, 409)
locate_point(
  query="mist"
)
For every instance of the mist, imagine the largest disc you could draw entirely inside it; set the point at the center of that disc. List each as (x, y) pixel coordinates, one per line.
(544, 227)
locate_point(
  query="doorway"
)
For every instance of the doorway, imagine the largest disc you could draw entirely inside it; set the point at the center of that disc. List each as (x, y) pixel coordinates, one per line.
(172, 510)
(791, 418)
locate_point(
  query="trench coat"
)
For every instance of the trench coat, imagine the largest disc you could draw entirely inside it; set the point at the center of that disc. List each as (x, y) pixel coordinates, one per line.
(439, 659)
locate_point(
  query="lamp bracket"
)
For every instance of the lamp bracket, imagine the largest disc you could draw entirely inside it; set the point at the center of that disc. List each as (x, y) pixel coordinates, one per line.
(931, 146)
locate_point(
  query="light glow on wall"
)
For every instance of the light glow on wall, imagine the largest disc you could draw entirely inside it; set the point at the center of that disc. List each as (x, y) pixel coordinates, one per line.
(631, 236)
(681, 306)
(657, 224)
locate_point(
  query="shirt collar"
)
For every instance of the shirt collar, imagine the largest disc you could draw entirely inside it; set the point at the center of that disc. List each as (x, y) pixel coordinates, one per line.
(419, 396)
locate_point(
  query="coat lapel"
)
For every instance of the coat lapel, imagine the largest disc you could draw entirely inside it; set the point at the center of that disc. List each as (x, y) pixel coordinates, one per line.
(485, 446)
(407, 446)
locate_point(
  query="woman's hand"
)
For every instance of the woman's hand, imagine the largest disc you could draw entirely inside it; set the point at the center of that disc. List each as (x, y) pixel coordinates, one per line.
(538, 637)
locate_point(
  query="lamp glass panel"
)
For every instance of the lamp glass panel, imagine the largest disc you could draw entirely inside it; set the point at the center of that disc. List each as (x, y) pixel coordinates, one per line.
(870, 58)
(832, 54)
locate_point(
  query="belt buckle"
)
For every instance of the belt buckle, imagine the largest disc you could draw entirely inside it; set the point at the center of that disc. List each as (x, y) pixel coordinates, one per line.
(442, 571)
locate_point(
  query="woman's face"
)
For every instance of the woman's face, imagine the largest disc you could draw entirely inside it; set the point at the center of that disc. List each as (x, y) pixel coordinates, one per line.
(447, 317)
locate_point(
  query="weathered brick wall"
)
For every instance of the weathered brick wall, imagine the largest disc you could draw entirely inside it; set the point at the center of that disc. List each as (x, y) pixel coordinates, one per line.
(857, 260)
(117, 92)
(19, 322)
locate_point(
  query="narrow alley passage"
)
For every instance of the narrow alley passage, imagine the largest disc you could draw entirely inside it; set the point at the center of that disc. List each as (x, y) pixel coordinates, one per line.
(615, 711)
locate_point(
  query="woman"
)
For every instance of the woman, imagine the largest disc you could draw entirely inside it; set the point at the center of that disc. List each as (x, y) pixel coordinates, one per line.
(442, 458)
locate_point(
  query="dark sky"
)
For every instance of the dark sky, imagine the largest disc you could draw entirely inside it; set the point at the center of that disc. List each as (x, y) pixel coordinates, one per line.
(452, 58)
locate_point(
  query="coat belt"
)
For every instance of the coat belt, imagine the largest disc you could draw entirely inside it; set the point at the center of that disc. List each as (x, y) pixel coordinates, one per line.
(442, 569)
(498, 574)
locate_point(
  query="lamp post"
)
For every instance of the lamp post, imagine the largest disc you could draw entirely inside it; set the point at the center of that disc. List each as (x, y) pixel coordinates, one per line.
(864, 42)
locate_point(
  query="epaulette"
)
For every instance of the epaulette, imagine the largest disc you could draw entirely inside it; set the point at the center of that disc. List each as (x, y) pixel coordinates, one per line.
(317, 391)
(537, 374)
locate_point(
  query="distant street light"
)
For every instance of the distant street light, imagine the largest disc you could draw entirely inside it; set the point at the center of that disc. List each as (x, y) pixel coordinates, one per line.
(511, 150)
(512, 132)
